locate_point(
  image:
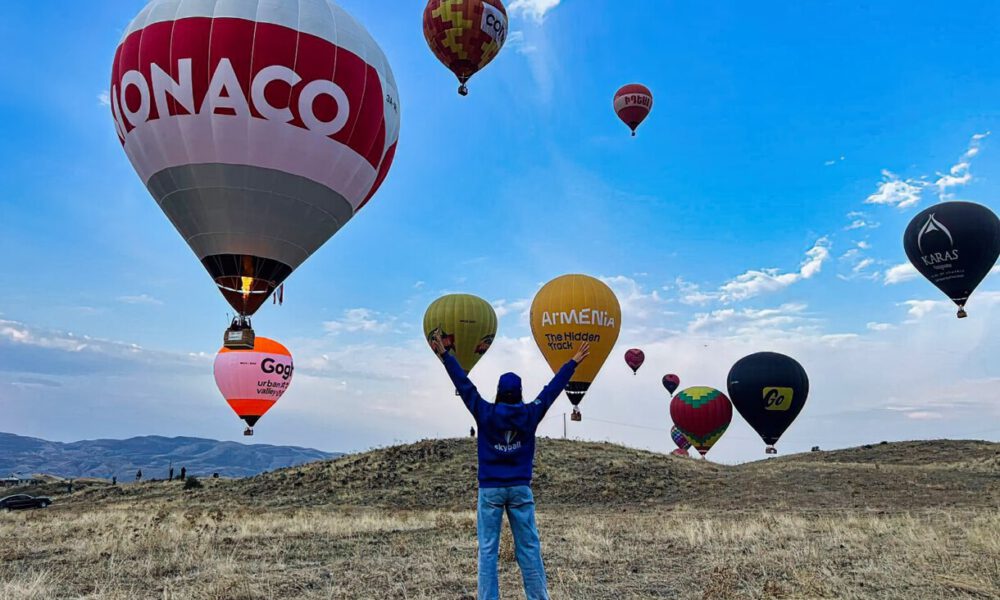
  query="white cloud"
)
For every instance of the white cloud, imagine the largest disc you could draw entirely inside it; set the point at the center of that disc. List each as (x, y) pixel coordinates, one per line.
(923, 415)
(863, 264)
(358, 319)
(140, 299)
(897, 192)
(730, 321)
(830, 163)
(104, 99)
(756, 282)
(536, 9)
(960, 173)
(879, 326)
(517, 41)
(691, 293)
(900, 273)
(919, 309)
(519, 307)
(864, 245)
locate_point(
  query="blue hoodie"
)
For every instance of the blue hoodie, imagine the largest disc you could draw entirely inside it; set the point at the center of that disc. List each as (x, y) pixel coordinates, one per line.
(506, 431)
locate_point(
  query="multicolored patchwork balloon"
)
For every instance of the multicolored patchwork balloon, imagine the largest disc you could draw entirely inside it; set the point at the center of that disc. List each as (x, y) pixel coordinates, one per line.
(465, 35)
(702, 414)
(680, 439)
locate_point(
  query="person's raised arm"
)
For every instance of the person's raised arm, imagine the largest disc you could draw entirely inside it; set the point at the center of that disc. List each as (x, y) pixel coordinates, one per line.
(466, 389)
(555, 387)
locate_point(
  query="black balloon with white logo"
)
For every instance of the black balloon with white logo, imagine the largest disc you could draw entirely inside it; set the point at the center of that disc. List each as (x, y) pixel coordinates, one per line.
(769, 390)
(954, 245)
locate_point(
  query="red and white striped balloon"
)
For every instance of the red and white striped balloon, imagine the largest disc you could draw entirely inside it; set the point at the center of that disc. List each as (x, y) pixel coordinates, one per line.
(260, 127)
(632, 104)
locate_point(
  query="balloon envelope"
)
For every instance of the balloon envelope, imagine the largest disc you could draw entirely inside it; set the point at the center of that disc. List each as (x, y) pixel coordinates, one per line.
(467, 325)
(954, 245)
(680, 439)
(252, 381)
(702, 414)
(569, 311)
(634, 359)
(465, 35)
(633, 102)
(259, 127)
(769, 390)
(671, 382)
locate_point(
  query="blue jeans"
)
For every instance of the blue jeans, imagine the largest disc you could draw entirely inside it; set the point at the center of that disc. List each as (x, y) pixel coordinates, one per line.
(519, 503)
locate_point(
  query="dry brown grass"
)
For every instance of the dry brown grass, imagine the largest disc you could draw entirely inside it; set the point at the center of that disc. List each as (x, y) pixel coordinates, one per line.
(222, 542)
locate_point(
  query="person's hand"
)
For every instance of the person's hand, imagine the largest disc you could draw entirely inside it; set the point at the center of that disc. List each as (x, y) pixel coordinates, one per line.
(582, 353)
(436, 344)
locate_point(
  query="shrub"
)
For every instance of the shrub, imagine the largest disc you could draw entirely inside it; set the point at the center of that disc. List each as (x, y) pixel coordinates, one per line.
(192, 483)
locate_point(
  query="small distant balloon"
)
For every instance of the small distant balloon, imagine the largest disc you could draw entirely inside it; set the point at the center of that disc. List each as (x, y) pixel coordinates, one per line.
(954, 245)
(633, 102)
(702, 414)
(634, 359)
(671, 382)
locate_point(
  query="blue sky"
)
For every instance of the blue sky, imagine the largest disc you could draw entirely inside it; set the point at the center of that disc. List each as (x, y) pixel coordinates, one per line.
(761, 207)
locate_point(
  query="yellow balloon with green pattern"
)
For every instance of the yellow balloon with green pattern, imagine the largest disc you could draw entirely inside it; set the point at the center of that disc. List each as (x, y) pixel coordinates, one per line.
(467, 325)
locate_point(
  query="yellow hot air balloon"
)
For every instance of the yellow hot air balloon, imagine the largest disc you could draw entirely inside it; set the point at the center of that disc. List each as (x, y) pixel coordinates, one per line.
(567, 312)
(467, 325)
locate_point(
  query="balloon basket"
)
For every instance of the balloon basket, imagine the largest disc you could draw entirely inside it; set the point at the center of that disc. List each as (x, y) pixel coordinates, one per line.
(240, 335)
(962, 314)
(770, 450)
(248, 431)
(576, 416)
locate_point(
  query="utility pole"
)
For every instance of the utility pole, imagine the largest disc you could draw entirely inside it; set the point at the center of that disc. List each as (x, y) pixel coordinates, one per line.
(564, 425)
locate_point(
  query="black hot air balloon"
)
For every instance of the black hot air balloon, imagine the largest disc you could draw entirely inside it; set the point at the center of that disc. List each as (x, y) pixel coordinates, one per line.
(954, 245)
(769, 390)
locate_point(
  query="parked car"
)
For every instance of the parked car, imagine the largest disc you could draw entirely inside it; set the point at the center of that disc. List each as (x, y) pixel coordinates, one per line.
(22, 501)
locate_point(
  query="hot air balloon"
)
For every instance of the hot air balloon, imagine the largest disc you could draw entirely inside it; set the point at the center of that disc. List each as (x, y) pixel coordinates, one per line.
(465, 35)
(567, 312)
(251, 381)
(671, 382)
(259, 127)
(467, 325)
(682, 442)
(634, 359)
(632, 104)
(769, 391)
(954, 245)
(702, 414)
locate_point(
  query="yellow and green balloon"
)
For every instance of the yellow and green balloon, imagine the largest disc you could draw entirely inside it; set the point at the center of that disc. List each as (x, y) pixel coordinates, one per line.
(467, 325)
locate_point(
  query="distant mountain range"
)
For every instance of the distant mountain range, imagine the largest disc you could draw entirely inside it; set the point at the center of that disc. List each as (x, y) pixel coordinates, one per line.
(152, 454)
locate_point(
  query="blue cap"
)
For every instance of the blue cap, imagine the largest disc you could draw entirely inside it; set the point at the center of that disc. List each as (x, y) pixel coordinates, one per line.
(509, 388)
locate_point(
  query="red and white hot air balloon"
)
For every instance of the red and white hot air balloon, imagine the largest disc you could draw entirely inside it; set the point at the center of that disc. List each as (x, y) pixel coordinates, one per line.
(260, 127)
(632, 104)
(252, 381)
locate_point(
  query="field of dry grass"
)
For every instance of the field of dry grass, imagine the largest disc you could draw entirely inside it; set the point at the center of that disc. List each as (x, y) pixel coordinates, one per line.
(676, 529)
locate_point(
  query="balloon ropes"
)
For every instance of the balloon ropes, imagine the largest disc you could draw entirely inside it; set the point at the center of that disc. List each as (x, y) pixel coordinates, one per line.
(954, 245)
(252, 381)
(769, 391)
(465, 35)
(260, 128)
(467, 325)
(567, 312)
(632, 103)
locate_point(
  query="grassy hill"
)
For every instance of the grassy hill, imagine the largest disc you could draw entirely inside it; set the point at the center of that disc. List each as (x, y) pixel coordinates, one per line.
(902, 520)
